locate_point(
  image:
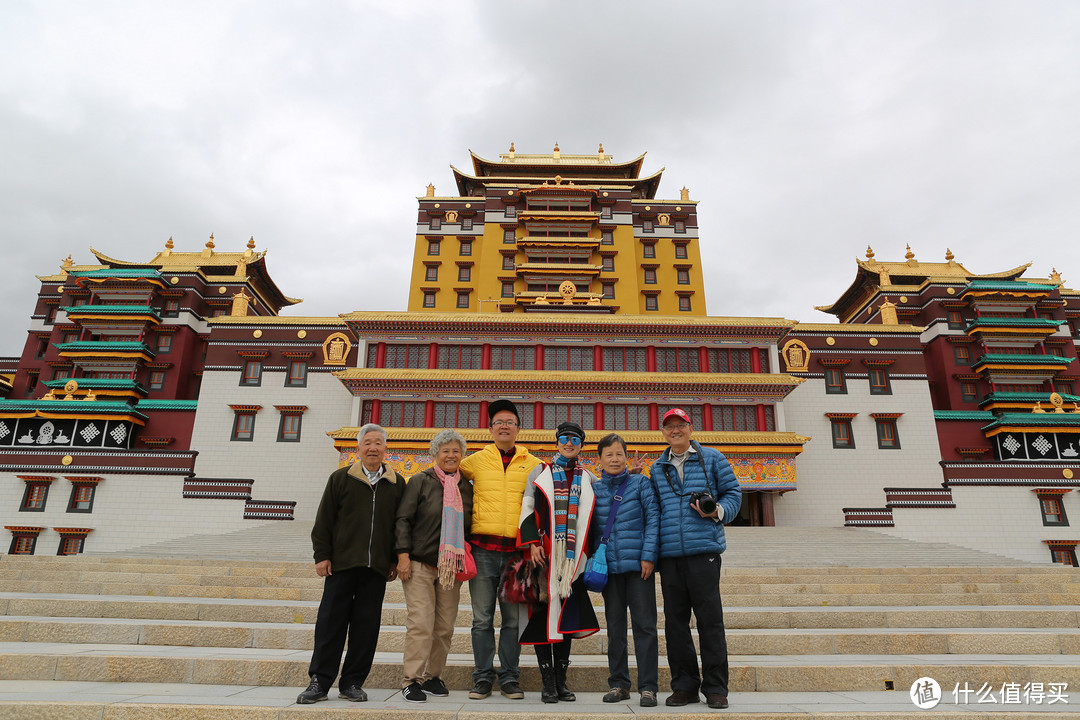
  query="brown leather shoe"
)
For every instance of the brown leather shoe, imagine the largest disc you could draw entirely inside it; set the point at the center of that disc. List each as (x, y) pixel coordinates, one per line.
(716, 700)
(679, 698)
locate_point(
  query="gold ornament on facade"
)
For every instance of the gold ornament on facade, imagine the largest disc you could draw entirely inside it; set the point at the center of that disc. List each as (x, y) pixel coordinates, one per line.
(1038, 407)
(663, 219)
(796, 355)
(301, 334)
(174, 280)
(542, 300)
(951, 291)
(336, 349)
(91, 396)
(1055, 277)
(568, 290)
(67, 460)
(222, 290)
(874, 341)
(70, 387)
(257, 333)
(909, 255)
(830, 341)
(684, 194)
(240, 303)
(430, 192)
(903, 298)
(1067, 474)
(1058, 402)
(888, 313)
(51, 395)
(451, 216)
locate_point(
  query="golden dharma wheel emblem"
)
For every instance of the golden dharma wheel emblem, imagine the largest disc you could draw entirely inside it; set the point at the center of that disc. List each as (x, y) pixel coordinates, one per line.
(67, 459)
(70, 386)
(1055, 400)
(567, 289)
(903, 298)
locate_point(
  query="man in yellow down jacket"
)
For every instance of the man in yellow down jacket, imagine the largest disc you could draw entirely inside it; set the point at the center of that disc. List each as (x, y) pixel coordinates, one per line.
(498, 473)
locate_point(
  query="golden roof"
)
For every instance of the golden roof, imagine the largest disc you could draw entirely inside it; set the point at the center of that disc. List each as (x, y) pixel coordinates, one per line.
(856, 328)
(487, 320)
(273, 320)
(629, 379)
(555, 159)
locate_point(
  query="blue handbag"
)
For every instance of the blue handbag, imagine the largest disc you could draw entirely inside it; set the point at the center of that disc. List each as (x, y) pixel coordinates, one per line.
(596, 569)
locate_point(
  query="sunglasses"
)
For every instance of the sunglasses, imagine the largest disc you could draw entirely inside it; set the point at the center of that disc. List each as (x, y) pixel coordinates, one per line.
(572, 439)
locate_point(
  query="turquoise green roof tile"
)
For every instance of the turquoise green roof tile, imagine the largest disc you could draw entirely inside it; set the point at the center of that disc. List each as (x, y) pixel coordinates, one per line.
(1044, 419)
(1006, 285)
(963, 415)
(77, 345)
(1021, 359)
(70, 407)
(1025, 397)
(118, 273)
(167, 404)
(111, 310)
(97, 383)
(1015, 322)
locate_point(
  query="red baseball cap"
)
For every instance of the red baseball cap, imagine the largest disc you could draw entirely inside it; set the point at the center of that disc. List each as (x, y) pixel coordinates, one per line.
(675, 412)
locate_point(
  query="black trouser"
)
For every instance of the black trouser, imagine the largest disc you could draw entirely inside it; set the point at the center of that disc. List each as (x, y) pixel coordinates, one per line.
(351, 605)
(693, 583)
(553, 653)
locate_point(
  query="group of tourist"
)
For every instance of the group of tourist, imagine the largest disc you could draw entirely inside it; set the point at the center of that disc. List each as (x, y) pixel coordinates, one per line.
(523, 532)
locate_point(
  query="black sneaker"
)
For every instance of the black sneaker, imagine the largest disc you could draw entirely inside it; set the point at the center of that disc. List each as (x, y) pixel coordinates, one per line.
(481, 690)
(512, 690)
(353, 693)
(435, 686)
(313, 694)
(413, 692)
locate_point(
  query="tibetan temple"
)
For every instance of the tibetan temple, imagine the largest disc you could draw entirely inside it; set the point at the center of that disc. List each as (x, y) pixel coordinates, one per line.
(171, 397)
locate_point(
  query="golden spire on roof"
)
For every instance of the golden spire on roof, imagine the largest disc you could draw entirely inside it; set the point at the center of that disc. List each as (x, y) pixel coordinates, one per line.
(948, 255)
(909, 255)
(209, 250)
(869, 253)
(430, 190)
(555, 153)
(251, 243)
(169, 244)
(600, 152)
(684, 194)
(511, 149)
(1055, 276)
(65, 264)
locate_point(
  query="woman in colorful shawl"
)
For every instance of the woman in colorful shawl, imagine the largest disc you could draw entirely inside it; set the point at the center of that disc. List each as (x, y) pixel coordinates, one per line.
(554, 533)
(433, 519)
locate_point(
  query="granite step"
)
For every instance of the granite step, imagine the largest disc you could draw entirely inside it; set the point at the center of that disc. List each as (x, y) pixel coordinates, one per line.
(819, 641)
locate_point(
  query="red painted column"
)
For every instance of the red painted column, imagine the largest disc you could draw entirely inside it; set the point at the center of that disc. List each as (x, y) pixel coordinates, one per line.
(706, 416)
(598, 415)
(380, 355)
(539, 362)
(768, 517)
(485, 421)
(433, 356)
(597, 359)
(485, 357)
(755, 360)
(650, 360)
(703, 359)
(376, 409)
(429, 413)
(654, 416)
(538, 414)
(761, 417)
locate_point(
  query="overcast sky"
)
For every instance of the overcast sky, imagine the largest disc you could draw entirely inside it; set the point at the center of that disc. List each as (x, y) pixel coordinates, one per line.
(807, 130)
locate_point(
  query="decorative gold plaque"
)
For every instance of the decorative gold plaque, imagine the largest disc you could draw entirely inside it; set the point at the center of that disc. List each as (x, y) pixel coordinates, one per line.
(873, 341)
(301, 334)
(257, 333)
(67, 459)
(830, 341)
(1067, 474)
(797, 356)
(336, 349)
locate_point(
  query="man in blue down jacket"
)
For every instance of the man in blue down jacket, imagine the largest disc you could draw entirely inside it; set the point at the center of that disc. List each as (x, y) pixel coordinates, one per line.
(691, 541)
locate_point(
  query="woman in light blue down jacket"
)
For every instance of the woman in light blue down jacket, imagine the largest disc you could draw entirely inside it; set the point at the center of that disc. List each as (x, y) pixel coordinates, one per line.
(631, 556)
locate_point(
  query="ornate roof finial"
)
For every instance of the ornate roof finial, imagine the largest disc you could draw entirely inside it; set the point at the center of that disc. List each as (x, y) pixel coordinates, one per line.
(1055, 276)
(555, 153)
(430, 190)
(65, 264)
(210, 242)
(684, 194)
(948, 255)
(169, 243)
(910, 256)
(869, 253)
(510, 155)
(600, 152)
(251, 243)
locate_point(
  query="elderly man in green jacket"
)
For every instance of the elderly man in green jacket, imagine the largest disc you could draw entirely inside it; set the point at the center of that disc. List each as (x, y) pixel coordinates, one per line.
(353, 539)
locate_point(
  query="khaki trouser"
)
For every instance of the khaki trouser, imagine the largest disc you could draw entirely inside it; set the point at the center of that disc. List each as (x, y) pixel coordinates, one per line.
(429, 623)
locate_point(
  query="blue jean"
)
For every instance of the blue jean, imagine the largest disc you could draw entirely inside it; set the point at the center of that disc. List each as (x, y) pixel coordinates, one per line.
(484, 589)
(625, 589)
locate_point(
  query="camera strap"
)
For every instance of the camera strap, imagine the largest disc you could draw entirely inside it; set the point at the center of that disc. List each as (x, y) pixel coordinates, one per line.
(667, 474)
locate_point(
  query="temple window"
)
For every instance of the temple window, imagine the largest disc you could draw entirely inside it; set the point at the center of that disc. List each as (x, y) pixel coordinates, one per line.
(605, 212)
(678, 360)
(433, 247)
(71, 545)
(581, 413)
(402, 414)
(647, 226)
(1052, 509)
(684, 303)
(462, 415)
(1063, 554)
(508, 235)
(969, 392)
(405, 356)
(734, 360)
(297, 376)
(680, 251)
(31, 381)
(164, 343)
(464, 273)
(842, 437)
(156, 380)
(510, 211)
(513, 357)
(460, 357)
(466, 223)
(887, 437)
(568, 359)
(252, 375)
(463, 300)
(607, 263)
(429, 298)
(648, 250)
(1065, 388)
(508, 262)
(680, 226)
(82, 498)
(23, 543)
(962, 355)
(624, 359)
(879, 382)
(431, 273)
(289, 427)
(956, 320)
(171, 308)
(652, 303)
(626, 417)
(35, 496)
(608, 289)
(650, 276)
(465, 248)
(731, 417)
(682, 276)
(243, 426)
(508, 288)
(435, 223)
(61, 373)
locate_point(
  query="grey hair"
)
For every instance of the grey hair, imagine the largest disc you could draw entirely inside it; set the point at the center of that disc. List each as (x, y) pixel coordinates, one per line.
(371, 427)
(447, 436)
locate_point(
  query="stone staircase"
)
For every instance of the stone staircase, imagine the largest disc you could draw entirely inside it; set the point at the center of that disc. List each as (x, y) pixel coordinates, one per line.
(193, 631)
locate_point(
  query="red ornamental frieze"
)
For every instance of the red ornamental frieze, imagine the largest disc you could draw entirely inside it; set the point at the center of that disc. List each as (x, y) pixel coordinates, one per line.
(538, 388)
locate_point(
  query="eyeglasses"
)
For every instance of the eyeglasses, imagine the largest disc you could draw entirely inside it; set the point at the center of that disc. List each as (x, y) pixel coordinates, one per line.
(504, 423)
(572, 439)
(676, 426)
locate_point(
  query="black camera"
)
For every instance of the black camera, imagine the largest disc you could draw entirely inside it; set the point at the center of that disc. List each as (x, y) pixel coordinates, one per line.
(705, 501)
